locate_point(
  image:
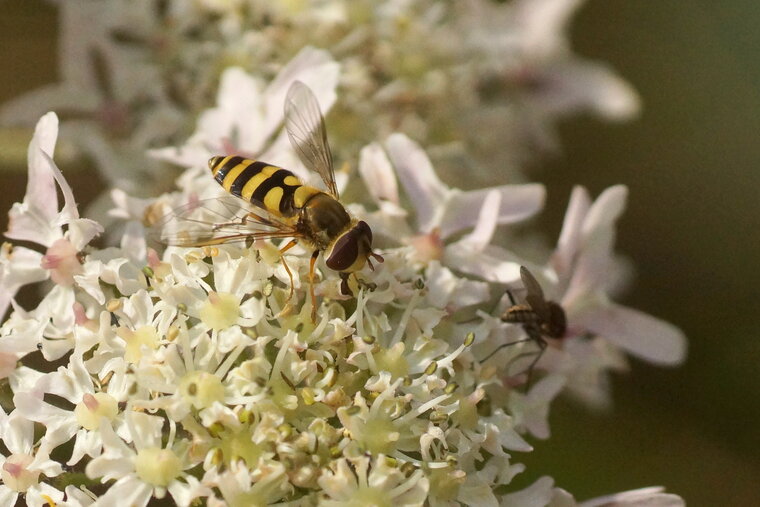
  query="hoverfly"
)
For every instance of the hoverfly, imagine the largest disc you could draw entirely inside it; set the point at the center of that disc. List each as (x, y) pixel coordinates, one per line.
(268, 202)
(539, 318)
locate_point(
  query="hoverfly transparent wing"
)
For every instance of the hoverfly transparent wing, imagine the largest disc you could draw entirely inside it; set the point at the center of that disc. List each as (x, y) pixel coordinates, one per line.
(305, 126)
(535, 294)
(216, 221)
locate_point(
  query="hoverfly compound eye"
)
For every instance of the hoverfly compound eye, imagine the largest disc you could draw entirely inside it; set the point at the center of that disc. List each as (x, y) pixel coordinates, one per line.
(345, 252)
(350, 250)
(365, 230)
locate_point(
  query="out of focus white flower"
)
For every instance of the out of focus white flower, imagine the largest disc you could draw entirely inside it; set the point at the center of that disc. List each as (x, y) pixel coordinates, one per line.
(249, 114)
(527, 61)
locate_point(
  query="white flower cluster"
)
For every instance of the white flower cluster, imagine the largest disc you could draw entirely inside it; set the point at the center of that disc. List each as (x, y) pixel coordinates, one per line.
(190, 373)
(492, 77)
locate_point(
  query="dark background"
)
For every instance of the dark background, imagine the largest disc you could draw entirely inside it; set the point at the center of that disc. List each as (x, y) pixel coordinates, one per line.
(692, 162)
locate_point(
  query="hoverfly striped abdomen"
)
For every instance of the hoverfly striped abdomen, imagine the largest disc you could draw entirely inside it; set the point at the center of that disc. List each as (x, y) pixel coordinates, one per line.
(273, 188)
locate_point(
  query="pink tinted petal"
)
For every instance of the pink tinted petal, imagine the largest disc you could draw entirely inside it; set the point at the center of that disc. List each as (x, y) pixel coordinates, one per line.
(570, 237)
(517, 202)
(415, 172)
(642, 335)
(41, 193)
(428, 247)
(7, 364)
(62, 260)
(606, 210)
(377, 172)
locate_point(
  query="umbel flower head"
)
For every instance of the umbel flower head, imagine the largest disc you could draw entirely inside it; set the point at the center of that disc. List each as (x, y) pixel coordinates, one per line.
(184, 373)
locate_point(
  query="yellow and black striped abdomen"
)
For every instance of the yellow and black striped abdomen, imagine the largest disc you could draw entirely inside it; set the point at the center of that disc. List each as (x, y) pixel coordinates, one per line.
(273, 188)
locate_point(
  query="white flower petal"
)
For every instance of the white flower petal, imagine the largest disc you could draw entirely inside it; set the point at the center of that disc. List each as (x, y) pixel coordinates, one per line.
(82, 231)
(517, 203)
(640, 334)
(579, 85)
(415, 172)
(313, 67)
(377, 173)
(69, 211)
(486, 223)
(492, 263)
(570, 237)
(20, 267)
(606, 210)
(542, 24)
(133, 242)
(41, 193)
(654, 496)
(538, 494)
(18, 433)
(128, 490)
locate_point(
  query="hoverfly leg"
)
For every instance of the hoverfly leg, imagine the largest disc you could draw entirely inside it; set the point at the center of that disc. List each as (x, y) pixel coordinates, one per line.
(511, 298)
(284, 249)
(344, 288)
(312, 263)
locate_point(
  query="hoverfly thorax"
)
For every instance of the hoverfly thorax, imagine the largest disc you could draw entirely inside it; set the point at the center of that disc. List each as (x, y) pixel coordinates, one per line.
(324, 218)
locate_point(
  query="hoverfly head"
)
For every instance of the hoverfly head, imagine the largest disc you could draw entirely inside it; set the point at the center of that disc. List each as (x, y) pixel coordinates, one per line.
(352, 249)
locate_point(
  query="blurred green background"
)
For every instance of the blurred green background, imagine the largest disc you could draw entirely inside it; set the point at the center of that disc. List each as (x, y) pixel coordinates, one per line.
(692, 162)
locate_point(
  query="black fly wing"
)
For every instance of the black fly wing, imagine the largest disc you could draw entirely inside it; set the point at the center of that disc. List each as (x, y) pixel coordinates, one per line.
(305, 126)
(535, 295)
